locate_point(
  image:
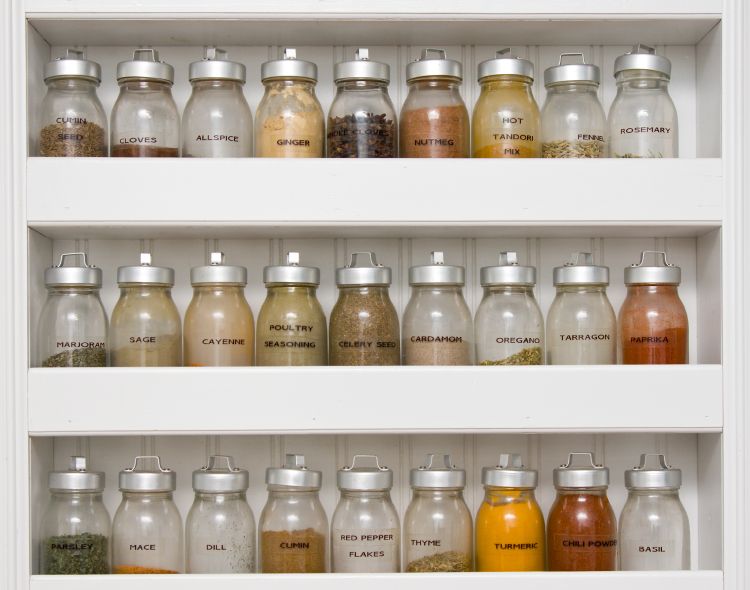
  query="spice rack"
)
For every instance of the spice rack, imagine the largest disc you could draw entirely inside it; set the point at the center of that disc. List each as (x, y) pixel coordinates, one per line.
(402, 209)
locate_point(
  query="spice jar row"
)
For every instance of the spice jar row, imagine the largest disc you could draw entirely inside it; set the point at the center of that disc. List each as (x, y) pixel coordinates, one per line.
(362, 121)
(437, 328)
(146, 535)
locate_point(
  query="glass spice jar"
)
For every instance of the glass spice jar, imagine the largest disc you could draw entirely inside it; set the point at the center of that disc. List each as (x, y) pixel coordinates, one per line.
(437, 326)
(509, 324)
(72, 328)
(365, 531)
(220, 527)
(292, 328)
(364, 324)
(217, 122)
(581, 324)
(72, 118)
(510, 524)
(76, 527)
(654, 527)
(434, 120)
(653, 323)
(145, 329)
(218, 322)
(505, 123)
(293, 524)
(643, 118)
(437, 524)
(362, 119)
(145, 121)
(290, 121)
(147, 533)
(573, 121)
(581, 526)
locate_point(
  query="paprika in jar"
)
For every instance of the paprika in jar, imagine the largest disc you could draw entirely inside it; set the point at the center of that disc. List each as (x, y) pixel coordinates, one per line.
(653, 321)
(581, 526)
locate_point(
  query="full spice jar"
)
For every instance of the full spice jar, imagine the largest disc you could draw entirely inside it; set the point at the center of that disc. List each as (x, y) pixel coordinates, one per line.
(654, 527)
(292, 326)
(434, 119)
(145, 121)
(364, 324)
(220, 527)
(437, 523)
(76, 526)
(293, 524)
(510, 524)
(653, 323)
(505, 123)
(289, 122)
(581, 324)
(581, 526)
(362, 120)
(72, 119)
(147, 529)
(218, 322)
(509, 324)
(217, 122)
(72, 329)
(643, 118)
(437, 327)
(145, 329)
(573, 121)
(365, 532)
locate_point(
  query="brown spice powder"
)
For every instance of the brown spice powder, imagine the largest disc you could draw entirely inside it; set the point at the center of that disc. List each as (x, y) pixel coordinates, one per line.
(293, 552)
(440, 132)
(137, 569)
(143, 151)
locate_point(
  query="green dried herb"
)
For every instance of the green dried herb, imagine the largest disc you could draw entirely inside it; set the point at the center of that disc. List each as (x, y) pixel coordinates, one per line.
(78, 357)
(450, 561)
(82, 554)
(528, 356)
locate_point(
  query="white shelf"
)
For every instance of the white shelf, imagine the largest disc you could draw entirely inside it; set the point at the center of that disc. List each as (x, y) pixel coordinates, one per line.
(375, 399)
(344, 198)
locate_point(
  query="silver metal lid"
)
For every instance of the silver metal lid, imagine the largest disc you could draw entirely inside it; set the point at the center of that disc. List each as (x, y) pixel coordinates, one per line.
(139, 479)
(73, 65)
(216, 66)
(361, 68)
(294, 474)
(510, 473)
(83, 275)
(588, 475)
(289, 67)
(363, 269)
(221, 476)
(643, 57)
(218, 272)
(437, 474)
(434, 63)
(661, 476)
(437, 272)
(372, 478)
(291, 273)
(145, 273)
(145, 65)
(581, 270)
(508, 272)
(572, 72)
(76, 478)
(506, 64)
(661, 274)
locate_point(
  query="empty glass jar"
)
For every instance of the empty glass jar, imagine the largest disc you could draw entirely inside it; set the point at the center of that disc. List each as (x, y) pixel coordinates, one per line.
(220, 527)
(72, 329)
(75, 533)
(147, 529)
(217, 122)
(72, 119)
(437, 524)
(365, 532)
(509, 324)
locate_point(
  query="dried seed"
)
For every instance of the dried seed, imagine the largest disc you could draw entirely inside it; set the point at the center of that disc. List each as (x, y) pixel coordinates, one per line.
(84, 140)
(573, 149)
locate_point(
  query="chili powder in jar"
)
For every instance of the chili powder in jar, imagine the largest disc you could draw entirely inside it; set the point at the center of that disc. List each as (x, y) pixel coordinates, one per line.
(581, 526)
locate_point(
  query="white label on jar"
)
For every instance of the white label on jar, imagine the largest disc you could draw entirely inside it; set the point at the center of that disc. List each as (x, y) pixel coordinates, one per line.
(365, 551)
